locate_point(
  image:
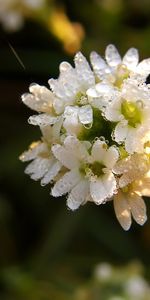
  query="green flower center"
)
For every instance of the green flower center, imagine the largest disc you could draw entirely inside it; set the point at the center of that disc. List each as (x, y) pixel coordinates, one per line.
(132, 113)
(81, 99)
(95, 169)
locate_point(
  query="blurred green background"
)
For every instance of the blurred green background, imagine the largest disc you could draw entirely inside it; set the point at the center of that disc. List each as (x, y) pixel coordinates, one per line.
(47, 251)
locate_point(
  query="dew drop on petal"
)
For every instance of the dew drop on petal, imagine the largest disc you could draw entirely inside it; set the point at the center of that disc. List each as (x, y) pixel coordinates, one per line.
(88, 126)
(102, 139)
(140, 103)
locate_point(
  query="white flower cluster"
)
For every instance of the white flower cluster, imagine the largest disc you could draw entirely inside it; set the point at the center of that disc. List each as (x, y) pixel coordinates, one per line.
(95, 124)
(12, 12)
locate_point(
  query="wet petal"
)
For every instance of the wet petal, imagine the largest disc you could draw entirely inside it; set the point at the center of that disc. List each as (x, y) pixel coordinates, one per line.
(51, 174)
(111, 157)
(120, 132)
(77, 148)
(78, 195)
(43, 120)
(84, 72)
(143, 67)
(112, 56)
(38, 167)
(33, 152)
(65, 156)
(99, 65)
(131, 58)
(122, 210)
(98, 151)
(102, 188)
(66, 183)
(138, 208)
(86, 114)
(40, 99)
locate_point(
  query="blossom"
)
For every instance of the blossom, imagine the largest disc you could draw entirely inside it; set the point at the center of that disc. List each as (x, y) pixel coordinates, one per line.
(95, 143)
(44, 166)
(133, 183)
(88, 173)
(130, 111)
(114, 69)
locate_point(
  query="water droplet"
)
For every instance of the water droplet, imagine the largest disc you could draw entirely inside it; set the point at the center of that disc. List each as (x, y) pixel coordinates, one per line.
(87, 126)
(140, 103)
(102, 139)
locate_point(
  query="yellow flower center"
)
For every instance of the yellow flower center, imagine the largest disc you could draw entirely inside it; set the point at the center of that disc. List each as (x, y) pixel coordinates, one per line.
(95, 169)
(132, 113)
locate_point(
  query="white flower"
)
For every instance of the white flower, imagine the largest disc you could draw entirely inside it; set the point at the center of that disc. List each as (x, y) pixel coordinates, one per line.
(89, 175)
(41, 100)
(130, 110)
(44, 165)
(71, 86)
(115, 69)
(80, 115)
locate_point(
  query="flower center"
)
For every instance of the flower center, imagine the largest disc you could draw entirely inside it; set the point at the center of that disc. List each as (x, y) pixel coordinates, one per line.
(95, 169)
(81, 99)
(132, 113)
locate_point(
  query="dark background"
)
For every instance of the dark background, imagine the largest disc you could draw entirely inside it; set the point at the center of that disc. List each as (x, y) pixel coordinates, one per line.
(43, 245)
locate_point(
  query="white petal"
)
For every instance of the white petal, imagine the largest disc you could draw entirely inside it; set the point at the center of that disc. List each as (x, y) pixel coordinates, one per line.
(66, 183)
(51, 174)
(84, 72)
(120, 132)
(98, 151)
(38, 167)
(78, 195)
(111, 157)
(143, 67)
(113, 111)
(65, 157)
(122, 210)
(97, 191)
(86, 114)
(98, 64)
(71, 121)
(65, 67)
(112, 56)
(64, 89)
(41, 100)
(138, 208)
(77, 148)
(131, 58)
(132, 144)
(109, 182)
(33, 151)
(103, 188)
(42, 120)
